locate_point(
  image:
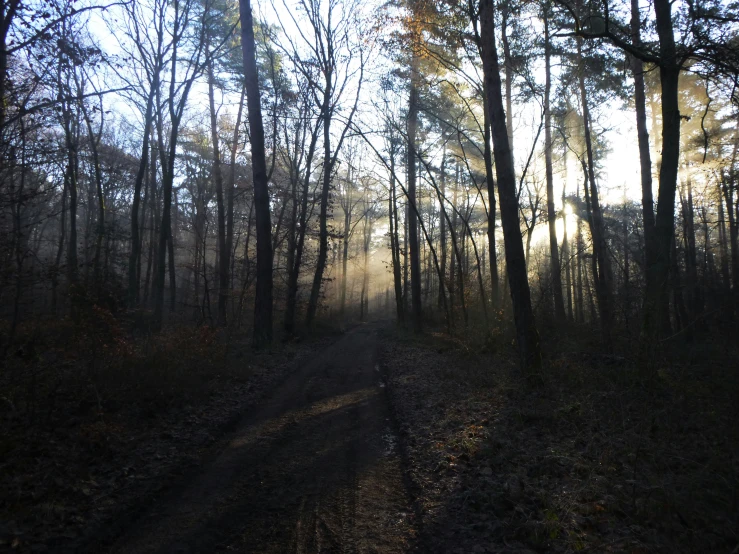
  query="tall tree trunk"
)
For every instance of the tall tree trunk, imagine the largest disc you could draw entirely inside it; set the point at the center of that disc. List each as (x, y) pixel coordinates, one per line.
(165, 230)
(153, 223)
(224, 251)
(292, 231)
(230, 191)
(460, 255)
(645, 161)
(490, 181)
(345, 256)
(723, 244)
(263, 296)
(135, 255)
(294, 271)
(681, 313)
(455, 251)
(659, 268)
(508, 68)
(59, 250)
(71, 184)
(579, 299)
(415, 261)
(406, 282)
(170, 257)
(601, 278)
(556, 269)
(526, 333)
(728, 190)
(395, 242)
(627, 272)
(691, 255)
(442, 223)
(568, 264)
(366, 238)
(100, 224)
(323, 214)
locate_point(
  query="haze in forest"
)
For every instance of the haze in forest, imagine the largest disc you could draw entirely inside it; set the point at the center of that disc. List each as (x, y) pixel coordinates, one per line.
(489, 245)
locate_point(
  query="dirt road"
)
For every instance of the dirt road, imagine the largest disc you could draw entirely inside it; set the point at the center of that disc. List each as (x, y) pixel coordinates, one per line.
(314, 469)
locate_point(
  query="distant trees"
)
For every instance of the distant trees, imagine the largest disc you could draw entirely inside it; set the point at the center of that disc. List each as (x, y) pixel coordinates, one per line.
(318, 166)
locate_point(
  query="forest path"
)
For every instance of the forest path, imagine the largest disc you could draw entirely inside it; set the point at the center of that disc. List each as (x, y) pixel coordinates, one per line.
(314, 469)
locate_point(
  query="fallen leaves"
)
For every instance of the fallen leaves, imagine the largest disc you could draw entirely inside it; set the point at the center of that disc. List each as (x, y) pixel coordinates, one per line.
(576, 465)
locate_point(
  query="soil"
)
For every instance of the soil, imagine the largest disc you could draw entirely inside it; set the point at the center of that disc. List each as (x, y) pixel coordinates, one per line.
(376, 442)
(591, 459)
(315, 468)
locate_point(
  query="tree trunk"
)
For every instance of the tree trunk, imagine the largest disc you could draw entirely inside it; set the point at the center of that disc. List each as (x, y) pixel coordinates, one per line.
(645, 161)
(659, 268)
(323, 215)
(415, 262)
(345, 256)
(579, 298)
(59, 250)
(568, 264)
(490, 181)
(395, 242)
(153, 226)
(224, 251)
(294, 270)
(723, 245)
(263, 297)
(508, 68)
(555, 267)
(100, 224)
(165, 230)
(526, 333)
(601, 277)
(442, 223)
(230, 248)
(728, 190)
(134, 257)
(691, 255)
(71, 183)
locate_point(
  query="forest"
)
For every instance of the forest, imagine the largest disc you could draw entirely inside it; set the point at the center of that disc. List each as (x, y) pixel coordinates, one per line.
(408, 276)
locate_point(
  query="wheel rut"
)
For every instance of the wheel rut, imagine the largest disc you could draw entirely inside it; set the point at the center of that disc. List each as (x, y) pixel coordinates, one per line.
(308, 472)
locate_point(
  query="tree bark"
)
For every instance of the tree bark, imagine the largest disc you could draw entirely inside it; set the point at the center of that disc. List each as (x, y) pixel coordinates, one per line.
(490, 181)
(659, 267)
(395, 241)
(567, 262)
(134, 257)
(443, 229)
(415, 261)
(555, 267)
(601, 277)
(294, 270)
(223, 250)
(526, 333)
(323, 213)
(263, 297)
(645, 161)
(230, 192)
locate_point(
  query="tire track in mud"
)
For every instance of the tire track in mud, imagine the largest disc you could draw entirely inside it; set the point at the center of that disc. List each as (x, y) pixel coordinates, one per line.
(308, 472)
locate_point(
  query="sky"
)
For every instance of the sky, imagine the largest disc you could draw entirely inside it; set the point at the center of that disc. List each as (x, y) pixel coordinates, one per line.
(620, 174)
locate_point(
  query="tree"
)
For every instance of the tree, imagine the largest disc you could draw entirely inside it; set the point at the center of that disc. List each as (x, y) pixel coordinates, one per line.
(555, 267)
(526, 333)
(263, 300)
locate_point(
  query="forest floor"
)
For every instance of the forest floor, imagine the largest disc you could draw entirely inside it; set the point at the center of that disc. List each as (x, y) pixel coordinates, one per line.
(592, 458)
(89, 438)
(374, 442)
